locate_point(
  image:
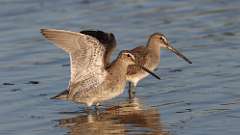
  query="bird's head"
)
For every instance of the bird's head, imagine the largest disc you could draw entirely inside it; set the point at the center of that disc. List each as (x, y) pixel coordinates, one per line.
(160, 40)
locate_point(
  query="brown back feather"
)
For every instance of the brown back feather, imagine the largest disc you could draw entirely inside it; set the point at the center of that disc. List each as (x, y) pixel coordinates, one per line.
(140, 54)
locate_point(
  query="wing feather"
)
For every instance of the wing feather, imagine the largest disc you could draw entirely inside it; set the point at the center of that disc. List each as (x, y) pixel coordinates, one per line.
(86, 56)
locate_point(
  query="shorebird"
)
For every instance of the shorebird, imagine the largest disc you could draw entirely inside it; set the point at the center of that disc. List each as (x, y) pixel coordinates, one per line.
(149, 57)
(91, 81)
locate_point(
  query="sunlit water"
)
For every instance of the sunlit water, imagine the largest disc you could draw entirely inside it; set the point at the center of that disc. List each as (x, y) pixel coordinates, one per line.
(202, 98)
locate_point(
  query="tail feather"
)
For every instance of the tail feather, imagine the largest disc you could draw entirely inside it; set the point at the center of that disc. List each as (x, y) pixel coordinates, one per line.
(63, 95)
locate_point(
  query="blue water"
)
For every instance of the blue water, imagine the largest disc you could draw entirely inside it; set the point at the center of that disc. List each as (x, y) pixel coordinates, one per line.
(202, 98)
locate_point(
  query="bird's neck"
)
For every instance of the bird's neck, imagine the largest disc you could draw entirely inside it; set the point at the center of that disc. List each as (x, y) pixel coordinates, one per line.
(154, 47)
(118, 66)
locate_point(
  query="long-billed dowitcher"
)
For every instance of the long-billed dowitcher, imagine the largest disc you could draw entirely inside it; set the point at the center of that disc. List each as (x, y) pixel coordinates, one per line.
(91, 82)
(148, 56)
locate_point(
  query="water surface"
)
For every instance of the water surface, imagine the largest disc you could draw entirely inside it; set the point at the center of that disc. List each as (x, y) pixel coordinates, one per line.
(202, 98)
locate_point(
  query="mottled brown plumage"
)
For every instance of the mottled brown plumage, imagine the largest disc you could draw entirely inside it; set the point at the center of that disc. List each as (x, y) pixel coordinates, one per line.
(108, 40)
(149, 57)
(91, 81)
(140, 54)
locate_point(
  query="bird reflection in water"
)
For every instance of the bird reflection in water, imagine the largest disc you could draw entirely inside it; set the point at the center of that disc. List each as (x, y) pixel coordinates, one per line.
(127, 118)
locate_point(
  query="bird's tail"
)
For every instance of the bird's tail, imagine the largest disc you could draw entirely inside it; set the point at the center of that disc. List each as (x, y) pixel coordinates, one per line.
(63, 95)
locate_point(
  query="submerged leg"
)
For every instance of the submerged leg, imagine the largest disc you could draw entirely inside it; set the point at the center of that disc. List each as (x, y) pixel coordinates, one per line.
(88, 109)
(131, 90)
(97, 109)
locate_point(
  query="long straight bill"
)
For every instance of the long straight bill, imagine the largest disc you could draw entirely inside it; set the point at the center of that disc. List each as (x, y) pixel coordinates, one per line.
(150, 72)
(178, 53)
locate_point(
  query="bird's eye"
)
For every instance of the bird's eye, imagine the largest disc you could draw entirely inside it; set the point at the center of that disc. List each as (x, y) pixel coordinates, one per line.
(163, 39)
(128, 55)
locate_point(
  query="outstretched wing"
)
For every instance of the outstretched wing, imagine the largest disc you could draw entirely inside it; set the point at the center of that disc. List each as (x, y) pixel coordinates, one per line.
(86, 56)
(107, 39)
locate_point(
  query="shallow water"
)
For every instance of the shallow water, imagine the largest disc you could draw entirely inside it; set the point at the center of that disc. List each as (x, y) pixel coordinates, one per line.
(202, 98)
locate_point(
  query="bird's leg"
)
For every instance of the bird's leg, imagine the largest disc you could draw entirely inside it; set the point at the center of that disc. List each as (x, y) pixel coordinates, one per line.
(88, 110)
(131, 90)
(97, 109)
